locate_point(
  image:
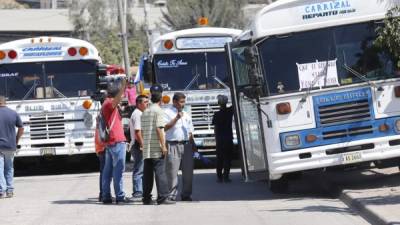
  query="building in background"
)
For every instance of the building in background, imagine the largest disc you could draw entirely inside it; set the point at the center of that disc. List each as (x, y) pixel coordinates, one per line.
(34, 22)
(46, 4)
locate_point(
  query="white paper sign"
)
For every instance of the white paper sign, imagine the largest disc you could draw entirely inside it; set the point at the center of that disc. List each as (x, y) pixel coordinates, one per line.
(323, 73)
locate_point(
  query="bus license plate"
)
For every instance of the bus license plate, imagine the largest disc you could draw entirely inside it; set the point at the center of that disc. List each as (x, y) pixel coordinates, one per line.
(351, 157)
(209, 142)
(47, 151)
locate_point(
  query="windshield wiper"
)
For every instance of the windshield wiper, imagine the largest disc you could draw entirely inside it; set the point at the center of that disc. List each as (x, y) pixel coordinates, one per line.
(221, 82)
(34, 85)
(193, 80)
(359, 75)
(324, 74)
(51, 77)
(362, 77)
(218, 80)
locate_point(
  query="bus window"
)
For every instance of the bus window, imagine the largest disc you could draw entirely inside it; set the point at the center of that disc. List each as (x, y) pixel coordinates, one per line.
(47, 80)
(192, 71)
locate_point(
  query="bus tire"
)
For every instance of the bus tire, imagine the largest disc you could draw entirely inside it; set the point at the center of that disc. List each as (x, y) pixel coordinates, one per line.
(279, 186)
(294, 175)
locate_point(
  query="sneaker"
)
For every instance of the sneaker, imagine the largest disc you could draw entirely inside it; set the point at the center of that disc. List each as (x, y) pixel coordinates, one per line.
(137, 195)
(166, 202)
(187, 199)
(123, 200)
(9, 194)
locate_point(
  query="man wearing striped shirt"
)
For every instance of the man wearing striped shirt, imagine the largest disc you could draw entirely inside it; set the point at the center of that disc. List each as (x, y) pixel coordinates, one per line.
(154, 150)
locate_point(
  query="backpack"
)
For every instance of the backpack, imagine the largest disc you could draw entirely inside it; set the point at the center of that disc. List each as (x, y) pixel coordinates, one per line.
(103, 129)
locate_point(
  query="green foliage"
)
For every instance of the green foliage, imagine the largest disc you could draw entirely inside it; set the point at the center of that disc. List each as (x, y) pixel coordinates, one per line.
(11, 4)
(183, 14)
(97, 22)
(388, 38)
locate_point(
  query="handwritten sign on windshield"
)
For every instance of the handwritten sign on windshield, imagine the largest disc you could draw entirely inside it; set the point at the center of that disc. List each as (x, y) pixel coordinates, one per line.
(317, 74)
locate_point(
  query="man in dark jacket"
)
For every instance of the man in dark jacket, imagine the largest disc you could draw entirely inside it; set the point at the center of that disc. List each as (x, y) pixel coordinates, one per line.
(222, 121)
(9, 119)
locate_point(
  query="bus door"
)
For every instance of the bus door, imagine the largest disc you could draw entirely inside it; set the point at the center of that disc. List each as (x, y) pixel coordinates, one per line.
(247, 113)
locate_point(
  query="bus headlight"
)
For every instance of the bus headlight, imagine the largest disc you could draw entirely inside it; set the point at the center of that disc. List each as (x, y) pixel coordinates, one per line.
(292, 140)
(397, 125)
(88, 120)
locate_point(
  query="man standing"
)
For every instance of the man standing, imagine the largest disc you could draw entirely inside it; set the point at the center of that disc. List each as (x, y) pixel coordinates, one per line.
(222, 121)
(115, 151)
(154, 149)
(181, 146)
(142, 103)
(9, 119)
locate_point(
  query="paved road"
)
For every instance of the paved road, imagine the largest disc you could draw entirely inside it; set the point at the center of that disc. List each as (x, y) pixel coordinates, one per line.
(71, 199)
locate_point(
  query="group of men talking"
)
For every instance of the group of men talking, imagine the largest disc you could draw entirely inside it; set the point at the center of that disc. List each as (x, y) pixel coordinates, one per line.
(161, 143)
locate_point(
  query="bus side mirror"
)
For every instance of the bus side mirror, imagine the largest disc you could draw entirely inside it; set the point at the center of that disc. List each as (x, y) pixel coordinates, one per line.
(255, 77)
(101, 74)
(101, 70)
(148, 71)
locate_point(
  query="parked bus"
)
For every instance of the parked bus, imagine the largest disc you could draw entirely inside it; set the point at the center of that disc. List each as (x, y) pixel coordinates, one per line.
(312, 89)
(49, 81)
(193, 61)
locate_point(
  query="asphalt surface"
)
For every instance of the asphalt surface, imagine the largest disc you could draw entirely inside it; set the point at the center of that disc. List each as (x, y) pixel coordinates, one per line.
(347, 196)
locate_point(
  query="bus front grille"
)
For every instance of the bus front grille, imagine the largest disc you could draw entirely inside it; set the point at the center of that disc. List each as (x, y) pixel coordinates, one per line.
(202, 115)
(347, 112)
(342, 133)
(47, 126)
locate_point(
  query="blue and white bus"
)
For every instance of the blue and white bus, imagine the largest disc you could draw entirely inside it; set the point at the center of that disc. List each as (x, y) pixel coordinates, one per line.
(312, 90)
(193, 61)
(49, 81)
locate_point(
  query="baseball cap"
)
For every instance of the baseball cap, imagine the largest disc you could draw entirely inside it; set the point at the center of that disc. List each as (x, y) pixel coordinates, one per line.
(156, 88)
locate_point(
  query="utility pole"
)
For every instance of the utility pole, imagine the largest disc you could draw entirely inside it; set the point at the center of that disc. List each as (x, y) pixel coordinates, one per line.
(146, 23)
(122, 21)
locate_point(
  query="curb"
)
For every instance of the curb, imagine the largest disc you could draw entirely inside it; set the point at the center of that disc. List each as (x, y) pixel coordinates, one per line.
(363, 210)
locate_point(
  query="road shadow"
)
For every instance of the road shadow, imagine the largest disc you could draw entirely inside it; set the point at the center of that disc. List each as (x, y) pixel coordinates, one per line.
(38, 166)
(92, 201)
(318, 208)
(206, 188)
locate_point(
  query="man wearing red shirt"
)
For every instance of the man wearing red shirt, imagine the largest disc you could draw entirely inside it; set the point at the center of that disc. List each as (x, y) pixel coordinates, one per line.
(115, 148)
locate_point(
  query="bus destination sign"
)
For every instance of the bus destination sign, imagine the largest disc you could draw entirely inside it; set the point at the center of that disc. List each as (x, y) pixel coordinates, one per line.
(202, 42)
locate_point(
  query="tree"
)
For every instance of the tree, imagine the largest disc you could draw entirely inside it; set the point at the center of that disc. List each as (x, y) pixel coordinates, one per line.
(388, 36)
(97, 22)
(11, 4)
(183, 14)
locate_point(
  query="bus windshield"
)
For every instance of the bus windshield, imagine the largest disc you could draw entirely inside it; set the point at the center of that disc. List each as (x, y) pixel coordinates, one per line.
(340, 55)
(59, 79)
(191, 71)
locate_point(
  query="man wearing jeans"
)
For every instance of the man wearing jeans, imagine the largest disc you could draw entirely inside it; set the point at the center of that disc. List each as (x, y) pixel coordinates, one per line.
(115, 151)
(9, 119)
(142, 102)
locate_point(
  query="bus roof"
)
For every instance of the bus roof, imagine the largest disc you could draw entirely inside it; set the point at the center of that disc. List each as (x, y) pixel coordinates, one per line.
(158, 47)
(288, 16)
(41, 49)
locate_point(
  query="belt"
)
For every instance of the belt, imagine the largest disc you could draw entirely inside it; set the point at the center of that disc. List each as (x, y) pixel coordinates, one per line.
(178, 142)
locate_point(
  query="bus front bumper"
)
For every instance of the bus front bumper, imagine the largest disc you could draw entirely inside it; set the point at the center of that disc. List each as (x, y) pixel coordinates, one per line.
(333, 155)
(55, 151)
